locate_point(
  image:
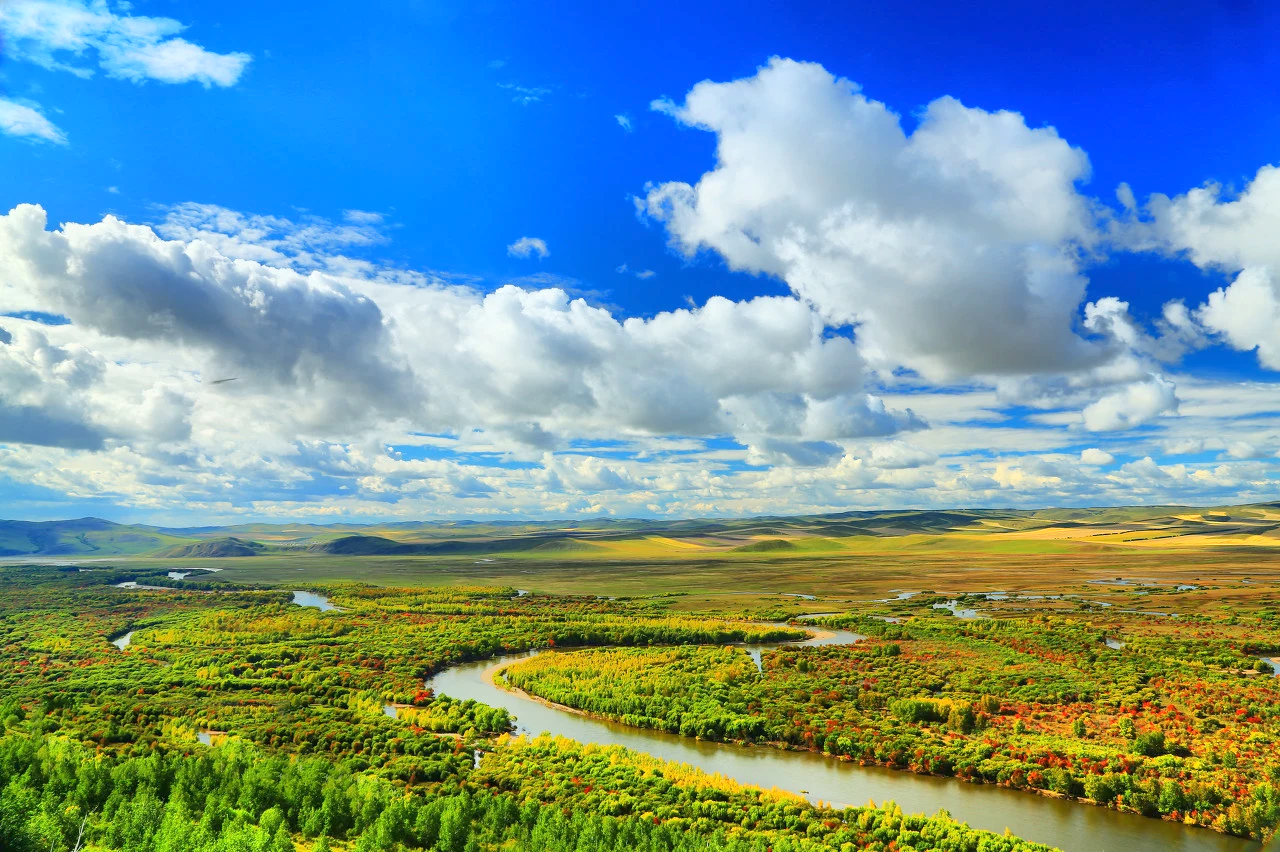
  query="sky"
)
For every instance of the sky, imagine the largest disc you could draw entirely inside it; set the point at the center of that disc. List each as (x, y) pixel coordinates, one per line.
(411, 260)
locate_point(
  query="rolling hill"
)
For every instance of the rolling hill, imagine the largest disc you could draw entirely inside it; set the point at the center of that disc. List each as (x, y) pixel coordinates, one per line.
(80, 537)
(218, 548)
(778, 536)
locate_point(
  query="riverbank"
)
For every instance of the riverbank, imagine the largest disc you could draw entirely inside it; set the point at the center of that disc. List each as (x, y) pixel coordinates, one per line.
(492, 677)
(1070, 824)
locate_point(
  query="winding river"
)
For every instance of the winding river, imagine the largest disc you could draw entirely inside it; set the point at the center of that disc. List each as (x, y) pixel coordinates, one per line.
(1070, 826)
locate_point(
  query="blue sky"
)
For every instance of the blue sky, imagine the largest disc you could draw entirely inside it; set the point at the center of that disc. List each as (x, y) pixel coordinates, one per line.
(381, 165)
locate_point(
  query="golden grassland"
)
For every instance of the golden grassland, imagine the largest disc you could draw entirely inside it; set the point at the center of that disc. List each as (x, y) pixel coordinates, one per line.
(717, 573)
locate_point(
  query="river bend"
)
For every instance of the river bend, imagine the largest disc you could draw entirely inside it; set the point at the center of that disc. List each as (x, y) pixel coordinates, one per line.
(1070, 826)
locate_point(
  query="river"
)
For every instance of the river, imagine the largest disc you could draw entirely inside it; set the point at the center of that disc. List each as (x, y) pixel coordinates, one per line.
(311, 599)
(1070, 826)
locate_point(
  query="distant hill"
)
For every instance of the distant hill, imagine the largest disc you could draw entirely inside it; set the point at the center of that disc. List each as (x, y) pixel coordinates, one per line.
(80, 537)
(1029, 531)
(371, 545)
(218, 548)
(360, 545)
(769, 545)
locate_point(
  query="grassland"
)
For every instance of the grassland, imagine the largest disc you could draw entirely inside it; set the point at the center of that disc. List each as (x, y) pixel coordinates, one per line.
(952, 564)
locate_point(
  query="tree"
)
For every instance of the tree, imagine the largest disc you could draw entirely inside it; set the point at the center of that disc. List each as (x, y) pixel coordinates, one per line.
(281, 841)
(1125, 727)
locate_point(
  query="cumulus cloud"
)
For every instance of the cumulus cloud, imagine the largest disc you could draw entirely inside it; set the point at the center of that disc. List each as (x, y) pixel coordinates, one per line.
(624, 121)
(1132, 406)
(1177, 331)
(1095, 456)
(42, 392)
(334, 354)
(528, 247)
(581, 473)
(1247, 314)
(754, 368)
(1245, 450)
(68, 34)
(337, 359)
(276, 327)
(1233, 234)
(897, 455)
(23, 120)
(955, 249)
(1227, 233)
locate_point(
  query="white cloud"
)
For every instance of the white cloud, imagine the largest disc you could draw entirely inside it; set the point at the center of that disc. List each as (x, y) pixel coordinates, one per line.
(896, 455)
(348, 356)
(308, 243)
(1236, 235)
(525, 95)
(954, 249)
(22, 120)
(624, 121)
(1132, 406)
(1183, 446)
(581, 473)
(60, 34)
(174, 60)
(1177, 330)
(305, 333)
(43, 391)
(642, 274)
(1245, 450)
(528, 247)
(1247, 313)
(363, 217)
(1095, 456)
(1216, 233)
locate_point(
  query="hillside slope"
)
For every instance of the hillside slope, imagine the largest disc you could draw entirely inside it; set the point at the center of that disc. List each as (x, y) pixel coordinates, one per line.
(80, 537)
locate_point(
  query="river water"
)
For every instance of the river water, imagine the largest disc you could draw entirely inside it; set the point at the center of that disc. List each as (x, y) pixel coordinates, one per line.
(1070, 826)
(320, 602)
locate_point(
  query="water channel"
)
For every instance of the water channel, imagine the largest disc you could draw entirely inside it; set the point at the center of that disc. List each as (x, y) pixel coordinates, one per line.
(1070, 826)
